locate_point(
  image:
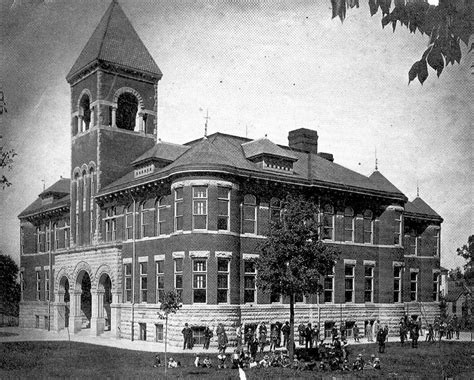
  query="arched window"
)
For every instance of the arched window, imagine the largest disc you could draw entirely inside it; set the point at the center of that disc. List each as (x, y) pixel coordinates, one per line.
(147, 218)
(368, 227)
(91, 204)
(85, 112)
(161, 215)
(275, 209)
(84, 190)
(127, 107)
(249, 213)
(348, 224)
(327, 222)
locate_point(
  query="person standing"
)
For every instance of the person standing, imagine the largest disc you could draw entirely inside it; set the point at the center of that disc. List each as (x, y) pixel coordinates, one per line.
(430, 334)
(239, 334)
(286, 334)
(334, 333)
(381, 340)
(402, 332)
(315, 335)
(308, 336)
(414, 335)
(207, 337)
(273, 338)
(221, 338)
(370, 337)
(186, 336)
(262, 336)
(342, 329)
(355, 332)
(301, 330)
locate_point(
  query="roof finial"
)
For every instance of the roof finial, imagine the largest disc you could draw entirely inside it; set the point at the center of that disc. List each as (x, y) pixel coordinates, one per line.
(44, 184)
(376, 160)
(417, 189)
(205, 124)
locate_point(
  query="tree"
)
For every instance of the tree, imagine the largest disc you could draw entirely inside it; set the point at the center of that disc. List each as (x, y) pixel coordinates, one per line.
(467, 251)
(292, 260)
(6, 163)
(447, 24)
(10, 292)
(170, 305)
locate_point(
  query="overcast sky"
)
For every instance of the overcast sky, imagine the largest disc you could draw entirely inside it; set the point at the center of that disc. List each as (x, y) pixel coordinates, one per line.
(259, 67)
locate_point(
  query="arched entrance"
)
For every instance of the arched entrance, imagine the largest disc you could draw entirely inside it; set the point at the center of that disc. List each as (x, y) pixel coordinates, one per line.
(81, 303)
(61, 306)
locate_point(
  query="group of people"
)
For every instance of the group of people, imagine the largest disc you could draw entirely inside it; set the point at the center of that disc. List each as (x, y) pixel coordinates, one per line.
(222, 341)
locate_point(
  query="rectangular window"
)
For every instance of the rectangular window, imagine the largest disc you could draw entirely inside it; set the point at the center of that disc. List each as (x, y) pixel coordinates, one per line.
(199, 281)
(48, 239)
(223, 206)
(147, 221)
(142, 331)
(275, 297)
(329, 287)
(414, 286)
(46, 285)
(160, 281)
(37, 321)
(143, 282)
(110, 224)
(178, 209)
(368, 227)
(397, 237)
(299, 298)
(413, 244)
(38, 286)
(178, 275)
(437, 241)
(161, 219)
(129, 215)
(349, 283)
(67, 236)
(159, 332)
(369, 284)
(249, 214)
(56, 236)
(436, 286)
(222, 280)
(349, 224)
(198, 334)
(127, 272)
(199, 207)
(397, 284)
(250, 272)
(327, 222)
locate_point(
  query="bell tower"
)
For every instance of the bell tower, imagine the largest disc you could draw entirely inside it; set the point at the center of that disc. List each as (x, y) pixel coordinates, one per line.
(114, 84)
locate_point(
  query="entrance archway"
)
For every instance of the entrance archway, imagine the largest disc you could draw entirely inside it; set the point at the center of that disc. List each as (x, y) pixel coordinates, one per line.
(61, 306)
(86, 305)
(104, 294)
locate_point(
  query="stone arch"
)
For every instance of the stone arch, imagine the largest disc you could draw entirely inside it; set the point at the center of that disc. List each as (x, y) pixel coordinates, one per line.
(85, 91)
(104, 269)
(122, 90)
(59, 280)
(84, 169)
(78, 274)
(76, 173)
(92, 166)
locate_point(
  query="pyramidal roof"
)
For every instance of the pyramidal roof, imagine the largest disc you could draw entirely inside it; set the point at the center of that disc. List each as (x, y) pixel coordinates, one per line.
(419, 206)
(383, 183)
(115, 41)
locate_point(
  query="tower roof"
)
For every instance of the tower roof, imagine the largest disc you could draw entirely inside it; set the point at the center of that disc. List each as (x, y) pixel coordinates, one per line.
(115, 41)
(419, 206)
(383, 183)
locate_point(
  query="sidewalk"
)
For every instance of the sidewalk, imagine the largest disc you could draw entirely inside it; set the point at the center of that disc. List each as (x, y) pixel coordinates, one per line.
(16, 334)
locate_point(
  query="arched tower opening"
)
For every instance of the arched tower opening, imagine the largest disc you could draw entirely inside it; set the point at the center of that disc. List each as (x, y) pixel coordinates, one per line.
(85, 113)
(127, 107)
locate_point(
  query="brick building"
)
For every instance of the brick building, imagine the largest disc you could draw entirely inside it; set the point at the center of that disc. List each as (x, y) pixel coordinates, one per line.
(140, 216)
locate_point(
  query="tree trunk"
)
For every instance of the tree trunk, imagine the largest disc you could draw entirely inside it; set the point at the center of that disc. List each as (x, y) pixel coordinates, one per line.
(291, 349)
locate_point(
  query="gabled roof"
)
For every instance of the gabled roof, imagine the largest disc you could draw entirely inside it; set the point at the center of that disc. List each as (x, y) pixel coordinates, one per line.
(60, 187)
(162, 151)
(454, 293)
(419, 206)
(383, 183)
(265, 147)
(115, 41)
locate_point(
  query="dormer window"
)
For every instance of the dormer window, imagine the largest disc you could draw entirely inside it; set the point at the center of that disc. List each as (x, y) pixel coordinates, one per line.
(144, 170)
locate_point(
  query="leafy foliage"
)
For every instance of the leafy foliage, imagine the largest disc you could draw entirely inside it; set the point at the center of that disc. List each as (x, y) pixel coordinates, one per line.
(446, 24)
(10, 292)
(467, 251)
(6, 163)
(171, 303)
(292, 259)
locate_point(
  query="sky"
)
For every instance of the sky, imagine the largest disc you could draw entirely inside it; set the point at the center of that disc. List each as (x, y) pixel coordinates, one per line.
(259, 68)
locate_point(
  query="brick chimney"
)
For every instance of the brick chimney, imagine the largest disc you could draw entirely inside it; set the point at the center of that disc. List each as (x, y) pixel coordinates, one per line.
(303, 139)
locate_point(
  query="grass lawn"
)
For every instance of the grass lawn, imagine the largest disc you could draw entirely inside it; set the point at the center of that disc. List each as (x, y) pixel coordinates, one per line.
(80, 360)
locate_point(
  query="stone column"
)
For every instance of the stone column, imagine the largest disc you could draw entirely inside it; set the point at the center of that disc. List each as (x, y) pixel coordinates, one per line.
(75, 318)
(92, 122)
(59, 312)
(97, 318)
(114, 116)
(80, 120)
(115, 314)
(141, 126)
